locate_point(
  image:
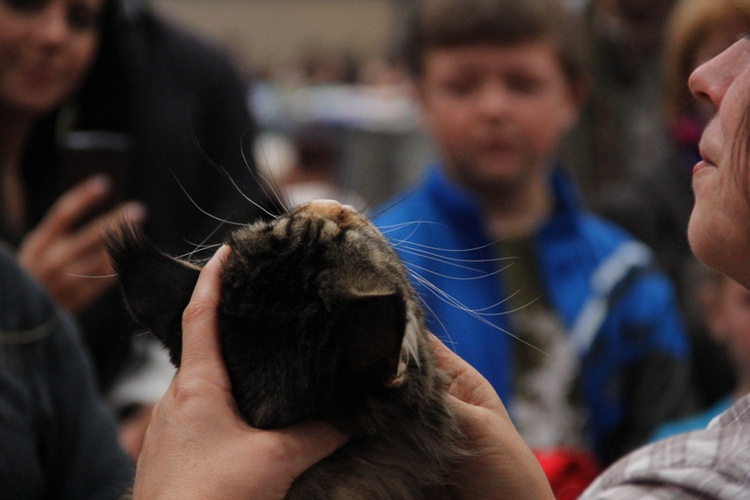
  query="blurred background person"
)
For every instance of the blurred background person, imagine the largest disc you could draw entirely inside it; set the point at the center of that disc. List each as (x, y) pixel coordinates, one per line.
(654, 203)
(102, 103)
(567, 316)
(619, 132)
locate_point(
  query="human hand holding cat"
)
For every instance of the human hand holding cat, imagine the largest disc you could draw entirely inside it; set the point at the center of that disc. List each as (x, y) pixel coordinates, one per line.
(197, 445)
(71, 262)
(503, 466)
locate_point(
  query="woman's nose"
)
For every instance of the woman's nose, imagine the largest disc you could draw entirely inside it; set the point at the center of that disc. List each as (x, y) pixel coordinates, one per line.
(710, 81)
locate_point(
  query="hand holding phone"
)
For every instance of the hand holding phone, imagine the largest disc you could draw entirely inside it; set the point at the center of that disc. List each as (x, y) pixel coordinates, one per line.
(65, 250)
(86, 154)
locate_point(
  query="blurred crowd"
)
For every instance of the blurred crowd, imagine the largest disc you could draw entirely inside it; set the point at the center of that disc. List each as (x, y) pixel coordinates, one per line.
(184, 125)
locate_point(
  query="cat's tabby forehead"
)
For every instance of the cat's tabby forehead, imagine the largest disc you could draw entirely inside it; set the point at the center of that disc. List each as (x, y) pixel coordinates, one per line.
(343, 216)
(328, 219)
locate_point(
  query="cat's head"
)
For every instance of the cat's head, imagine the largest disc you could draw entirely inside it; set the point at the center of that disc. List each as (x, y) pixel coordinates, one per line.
(317, 316)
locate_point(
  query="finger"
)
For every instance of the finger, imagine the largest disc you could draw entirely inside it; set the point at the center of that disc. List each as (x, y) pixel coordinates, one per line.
(74, 204)
(84, 281)
(200, 335)
(466, 383)
(305, 444)
(447, 360)
(65, 257)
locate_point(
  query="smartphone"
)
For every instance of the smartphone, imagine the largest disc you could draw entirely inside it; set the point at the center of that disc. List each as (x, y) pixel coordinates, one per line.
(88, 153)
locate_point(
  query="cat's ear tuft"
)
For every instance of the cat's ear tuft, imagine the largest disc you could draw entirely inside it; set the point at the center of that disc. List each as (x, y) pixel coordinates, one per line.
(156, 287)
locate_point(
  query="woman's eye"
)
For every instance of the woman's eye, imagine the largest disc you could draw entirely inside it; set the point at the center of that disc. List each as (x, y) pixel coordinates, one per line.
(25, 5)
(80, 15)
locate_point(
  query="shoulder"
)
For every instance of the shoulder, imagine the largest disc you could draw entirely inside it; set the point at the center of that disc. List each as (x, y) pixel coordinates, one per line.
(189, 43)
(710, 463)
(150, 39)
(25, 309)
(586, 237)
(603, 231)
(573, 222)
(737, 414)
(693, 422)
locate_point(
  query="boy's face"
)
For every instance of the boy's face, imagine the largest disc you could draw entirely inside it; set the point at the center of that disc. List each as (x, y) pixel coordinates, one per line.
(496, 112)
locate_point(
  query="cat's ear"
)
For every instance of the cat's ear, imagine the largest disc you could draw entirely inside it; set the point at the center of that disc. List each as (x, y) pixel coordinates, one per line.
(373, 325)
(156, 287)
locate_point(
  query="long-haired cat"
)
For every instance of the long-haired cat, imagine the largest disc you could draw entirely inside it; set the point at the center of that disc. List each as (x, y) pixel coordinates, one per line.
(317, 321)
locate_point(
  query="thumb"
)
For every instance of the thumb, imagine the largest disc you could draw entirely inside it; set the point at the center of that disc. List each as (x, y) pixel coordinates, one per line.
(201, 351)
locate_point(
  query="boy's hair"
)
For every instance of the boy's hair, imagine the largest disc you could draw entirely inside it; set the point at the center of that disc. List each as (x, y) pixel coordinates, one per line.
(435, 24)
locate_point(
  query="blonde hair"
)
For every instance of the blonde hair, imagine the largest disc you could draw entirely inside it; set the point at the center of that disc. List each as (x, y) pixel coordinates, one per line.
(691, 24)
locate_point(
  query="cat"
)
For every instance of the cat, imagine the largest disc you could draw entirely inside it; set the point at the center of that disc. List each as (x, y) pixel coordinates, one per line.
(317, 320)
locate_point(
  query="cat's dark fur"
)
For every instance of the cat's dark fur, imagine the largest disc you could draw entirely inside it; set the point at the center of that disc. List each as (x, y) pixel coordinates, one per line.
(318, 321)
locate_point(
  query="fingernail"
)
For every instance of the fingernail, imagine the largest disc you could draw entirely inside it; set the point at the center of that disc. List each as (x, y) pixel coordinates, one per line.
(100, 182)
(134, 211)
(223, 251)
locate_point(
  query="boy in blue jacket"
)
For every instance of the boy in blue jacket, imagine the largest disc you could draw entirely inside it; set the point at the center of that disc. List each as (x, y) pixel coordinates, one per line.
(564, 313)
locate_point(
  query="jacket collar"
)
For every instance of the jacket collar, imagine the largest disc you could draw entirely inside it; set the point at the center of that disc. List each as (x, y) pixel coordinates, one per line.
(459, 202)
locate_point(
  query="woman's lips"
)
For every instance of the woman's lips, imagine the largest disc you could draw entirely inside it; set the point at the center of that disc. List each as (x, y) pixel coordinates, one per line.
(701, 165)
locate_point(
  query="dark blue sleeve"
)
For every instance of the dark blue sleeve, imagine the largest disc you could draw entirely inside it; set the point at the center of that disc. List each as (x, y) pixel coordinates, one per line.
(57, 439)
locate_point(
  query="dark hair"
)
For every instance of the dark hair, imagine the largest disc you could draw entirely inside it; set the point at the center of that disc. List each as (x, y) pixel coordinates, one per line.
(453, 23)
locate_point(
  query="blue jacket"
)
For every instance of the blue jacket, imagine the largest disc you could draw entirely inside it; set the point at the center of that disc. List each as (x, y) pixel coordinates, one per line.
(619, 311)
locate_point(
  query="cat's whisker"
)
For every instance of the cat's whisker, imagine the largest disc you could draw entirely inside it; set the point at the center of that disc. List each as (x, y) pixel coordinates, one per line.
(447, 339)
(271, 184)
(480, 273)
(92, 276)
(250, 200)
(395, 227)
(459, 251)
(199, 248)
(482, 317)
(519, 308)
(439, 253)
(227, 175)
(442, 295)
(458, 263)
(484, 311)
(202, 246)
(142, 333)
(276, 191)
(205, 212)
